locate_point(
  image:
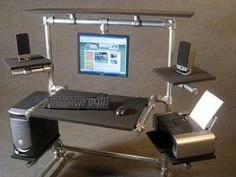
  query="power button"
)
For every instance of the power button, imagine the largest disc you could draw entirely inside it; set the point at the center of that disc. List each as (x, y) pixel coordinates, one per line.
(21, 142)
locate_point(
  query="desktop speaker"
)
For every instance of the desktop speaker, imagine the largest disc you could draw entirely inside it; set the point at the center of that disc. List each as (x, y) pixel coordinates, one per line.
(23, 46)
(185, 58)
(31, 136)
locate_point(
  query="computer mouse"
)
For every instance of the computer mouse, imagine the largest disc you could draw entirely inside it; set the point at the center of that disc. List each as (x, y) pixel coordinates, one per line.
(121, 110)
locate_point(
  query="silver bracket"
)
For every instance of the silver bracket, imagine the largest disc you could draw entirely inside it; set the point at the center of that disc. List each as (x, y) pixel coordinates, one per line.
(167, 100)
(55, 88)
(48, 20)
(189, 88)
(136, 21)
(58, 150)
(172, 24)
(72, 18)
(212, 122)
(140, 126)
(27, 71)
(104, 27)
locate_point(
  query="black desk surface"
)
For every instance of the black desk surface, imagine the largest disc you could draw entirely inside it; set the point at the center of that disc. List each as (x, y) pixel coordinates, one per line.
(101, 118)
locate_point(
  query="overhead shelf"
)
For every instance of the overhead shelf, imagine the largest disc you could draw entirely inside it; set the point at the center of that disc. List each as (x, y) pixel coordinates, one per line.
(168, 13)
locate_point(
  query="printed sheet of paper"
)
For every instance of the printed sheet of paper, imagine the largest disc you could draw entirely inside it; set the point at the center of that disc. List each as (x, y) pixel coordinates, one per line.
(205, 109)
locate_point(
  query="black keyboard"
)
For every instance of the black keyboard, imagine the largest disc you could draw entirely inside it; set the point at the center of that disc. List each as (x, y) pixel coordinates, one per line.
(77, 102)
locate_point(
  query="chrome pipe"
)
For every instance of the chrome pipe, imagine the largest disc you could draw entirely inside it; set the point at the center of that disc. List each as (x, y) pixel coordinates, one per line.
(164, 24)
(17, 72)
(88, 22)
(161, 24)
(49, 166)
(189, 88)
(64, 21)
(171, 43)
(47, 29)
(147, 112)
(169, 88)
(140, 126)
(214, 119)
(110, 154)
(164, 166)
(121, 22)
(43, 69)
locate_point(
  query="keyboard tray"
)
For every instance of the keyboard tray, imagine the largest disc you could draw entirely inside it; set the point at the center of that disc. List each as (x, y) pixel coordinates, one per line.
(102, 118)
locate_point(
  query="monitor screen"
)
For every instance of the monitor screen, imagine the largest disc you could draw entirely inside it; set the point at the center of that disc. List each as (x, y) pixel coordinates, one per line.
(103, 54)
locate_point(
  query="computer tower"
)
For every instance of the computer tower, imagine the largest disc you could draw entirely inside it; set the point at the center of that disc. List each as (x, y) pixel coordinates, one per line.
(31, 136)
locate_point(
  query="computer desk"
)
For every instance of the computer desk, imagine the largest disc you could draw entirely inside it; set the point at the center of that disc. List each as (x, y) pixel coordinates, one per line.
(134, 120)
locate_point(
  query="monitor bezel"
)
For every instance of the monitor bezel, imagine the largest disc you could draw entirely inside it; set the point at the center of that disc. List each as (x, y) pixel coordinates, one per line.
(104, 73)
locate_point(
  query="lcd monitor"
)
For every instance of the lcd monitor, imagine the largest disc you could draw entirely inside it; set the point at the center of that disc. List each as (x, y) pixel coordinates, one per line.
(103, 54)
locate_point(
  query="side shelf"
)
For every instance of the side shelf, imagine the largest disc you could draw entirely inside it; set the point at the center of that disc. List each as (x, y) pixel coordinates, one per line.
(170, 75)
(37, 63)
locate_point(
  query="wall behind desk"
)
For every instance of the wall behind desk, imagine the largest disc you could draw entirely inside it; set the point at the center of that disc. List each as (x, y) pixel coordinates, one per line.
(211, 31)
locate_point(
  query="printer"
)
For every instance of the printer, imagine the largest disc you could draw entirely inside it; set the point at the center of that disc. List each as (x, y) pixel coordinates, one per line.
(193, 144)
(190, 135)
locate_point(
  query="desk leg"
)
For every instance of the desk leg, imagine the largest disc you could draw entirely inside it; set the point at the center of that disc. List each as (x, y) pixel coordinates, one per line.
(163, 163)
(164, 167)
(59, 150)
(49, 166)
(110, 154)
(58, 155)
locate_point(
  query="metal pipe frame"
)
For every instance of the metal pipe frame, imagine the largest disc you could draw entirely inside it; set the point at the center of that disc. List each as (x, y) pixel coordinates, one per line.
(189, 88)
(110, 154)
(27, 71)
(171, 44)
(164, 167)
(49, 166)
(140, 126)
(74, 21)
(47, 30)
(136, 22)
(59, 150)
(58, 155)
